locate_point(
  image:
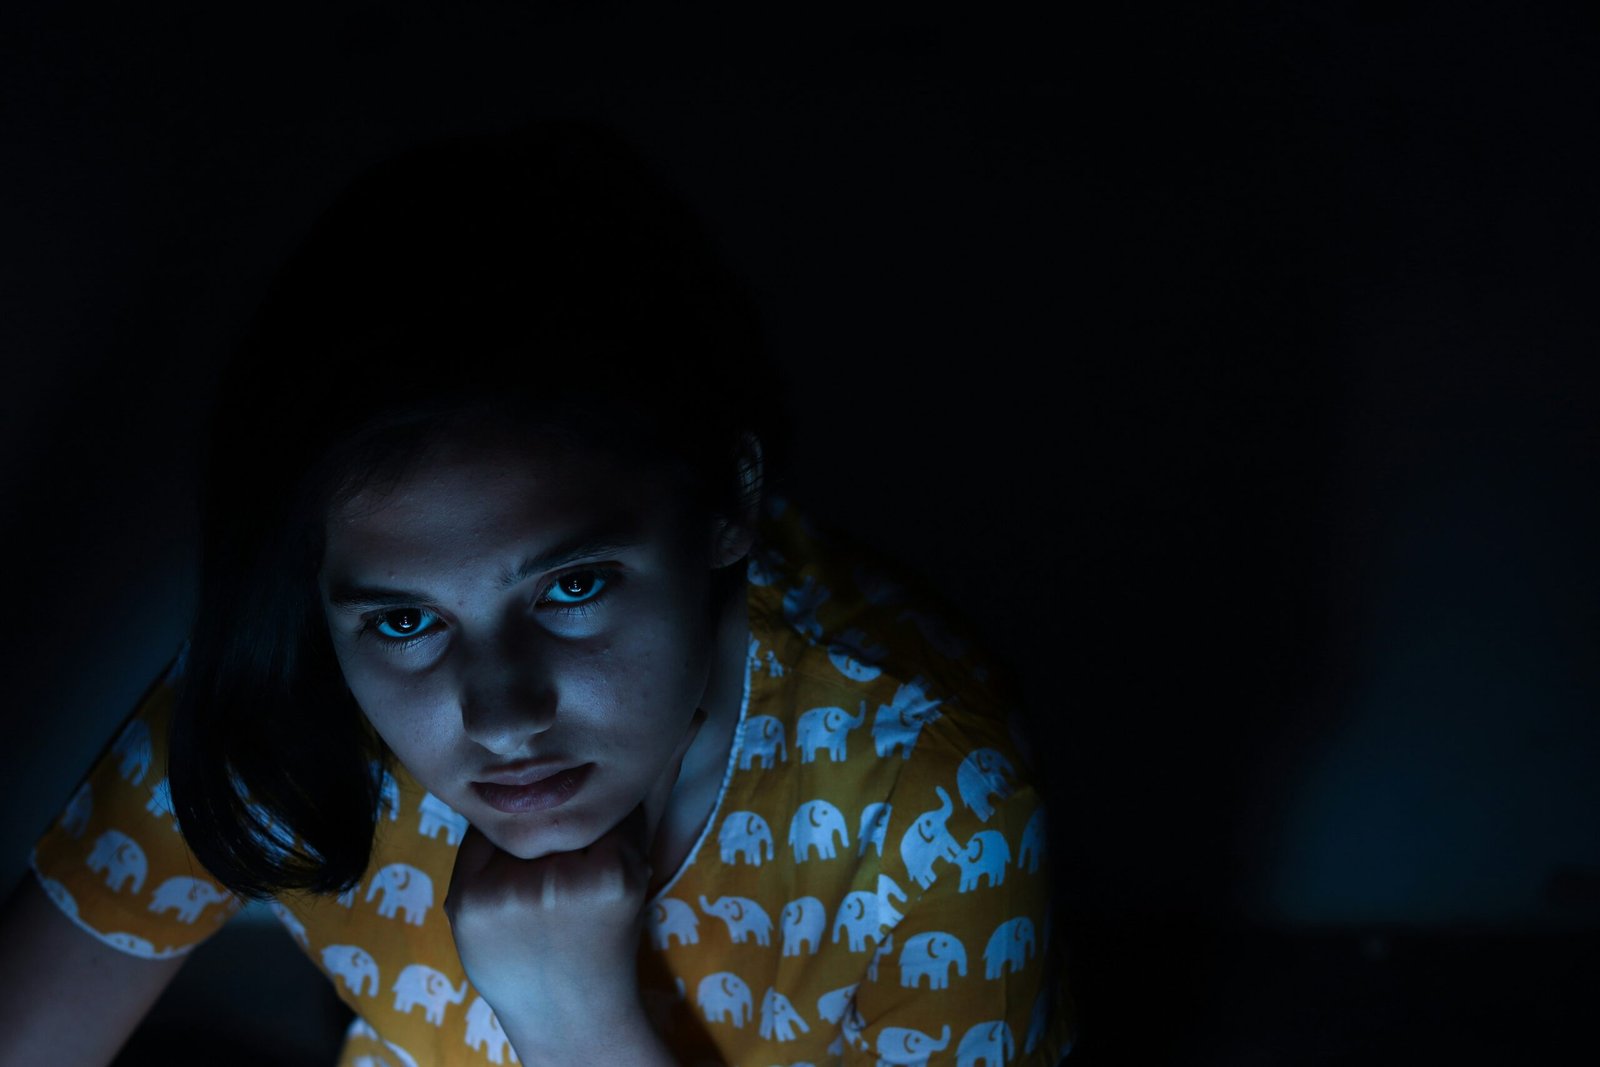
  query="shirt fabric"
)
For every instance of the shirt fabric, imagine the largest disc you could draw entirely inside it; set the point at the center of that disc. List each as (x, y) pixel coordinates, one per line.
(870, 887)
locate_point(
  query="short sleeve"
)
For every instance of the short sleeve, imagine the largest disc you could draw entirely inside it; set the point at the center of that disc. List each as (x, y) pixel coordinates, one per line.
(967, 973)
(114, 862)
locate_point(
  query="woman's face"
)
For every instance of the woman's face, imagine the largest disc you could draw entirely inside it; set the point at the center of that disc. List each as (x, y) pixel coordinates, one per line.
(530, 630)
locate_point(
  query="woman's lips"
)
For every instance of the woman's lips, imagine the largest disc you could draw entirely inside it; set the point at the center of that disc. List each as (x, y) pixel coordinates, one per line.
(541, 795)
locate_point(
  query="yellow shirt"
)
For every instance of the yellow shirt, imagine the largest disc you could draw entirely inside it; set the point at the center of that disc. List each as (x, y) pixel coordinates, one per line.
(870, 888)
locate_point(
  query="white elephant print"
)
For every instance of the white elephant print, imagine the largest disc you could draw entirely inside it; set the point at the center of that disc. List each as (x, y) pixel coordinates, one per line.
(832, 1005)
(1033, 841)
(743, 916)
(853, 658)
(359, 1027)
(404, 888)
(888, 892)
(800, 606)
(121, 858)
(388, 791)
(765, 569)
(160, 804)
(983, 773)
(985, 856)
(827, 728)
(1011, 943)
(762, 738)
(931, 955)
(405, 1058)
(899, 722)
(58, 893)
(421, 984)
(927, 841)
(75, 820)
(291, 923)
(814, 825)
(803, 922)
(186, 896)
(884, 950)
(134, 750)
(778, 1017)
(484, 1032)
(743, 835)
(435, 815)
(774, 668)
(874, 825)
(857, 918)
(877, 587)
(724, 997)
(987, 1043)
(131, 943)
(671, 918)
(936, 634)
(901, 1046)
(355, 967)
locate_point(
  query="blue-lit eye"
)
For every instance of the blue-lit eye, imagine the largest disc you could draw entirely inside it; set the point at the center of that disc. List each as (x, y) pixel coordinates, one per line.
(402, 624)
(575, 588)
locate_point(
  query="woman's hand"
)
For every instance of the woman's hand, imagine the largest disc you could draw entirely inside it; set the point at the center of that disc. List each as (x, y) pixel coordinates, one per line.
(551, 943)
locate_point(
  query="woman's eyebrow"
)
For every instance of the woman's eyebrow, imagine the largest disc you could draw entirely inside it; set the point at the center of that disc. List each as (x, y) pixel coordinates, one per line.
(348, 596)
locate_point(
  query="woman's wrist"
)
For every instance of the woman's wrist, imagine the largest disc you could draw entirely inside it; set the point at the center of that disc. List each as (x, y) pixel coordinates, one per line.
(591, 1034)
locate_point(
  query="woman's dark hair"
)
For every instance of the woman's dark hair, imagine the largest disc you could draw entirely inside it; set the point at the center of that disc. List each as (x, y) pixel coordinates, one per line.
(544, 280)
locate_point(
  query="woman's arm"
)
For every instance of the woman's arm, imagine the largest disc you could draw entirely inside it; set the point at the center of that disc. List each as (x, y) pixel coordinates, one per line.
(65, 998)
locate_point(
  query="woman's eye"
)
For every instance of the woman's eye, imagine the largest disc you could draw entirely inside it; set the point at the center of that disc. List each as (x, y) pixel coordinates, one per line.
(404, 623)
(575, 588)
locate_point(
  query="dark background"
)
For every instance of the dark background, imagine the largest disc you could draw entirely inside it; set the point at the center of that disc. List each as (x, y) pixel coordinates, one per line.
(1229, 364)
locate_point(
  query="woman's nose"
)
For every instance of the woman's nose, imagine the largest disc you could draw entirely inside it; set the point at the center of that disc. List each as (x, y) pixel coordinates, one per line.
(508, 698)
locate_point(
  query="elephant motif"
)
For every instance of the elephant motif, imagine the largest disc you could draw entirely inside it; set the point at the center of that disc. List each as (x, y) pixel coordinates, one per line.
(1033, 841)
(778, 1017)
(160, 804)
(743, 835)
(832, 1005)
(354, 966)
(484, 1032)
(936, 634)
(75, 820)
(930, 955)
(888, 893)
(138, 946)
(774, 668)
(743, 916)
(187, 896)
(121, 858)
(928, 841)
(988, 1043)
(406, 889)
(135, 752)
(858, 919)
(1011, 943)
(765, 568)
(722, 995)
(800, 608)
(421, 984)
(435, 815)
(803, 922)
(874, 825)
(669, 918)
(826, 728)
(58, 893)
(885, 948)
(901, 1046)
(852, 658)
(986, 856)
(814, 825)
(388, 791)
(296, 928)
(899, 722)
(405, 1058)
(762, 738)
(984, 772)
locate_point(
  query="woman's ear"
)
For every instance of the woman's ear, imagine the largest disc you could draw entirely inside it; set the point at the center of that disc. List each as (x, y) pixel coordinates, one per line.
(733, 535)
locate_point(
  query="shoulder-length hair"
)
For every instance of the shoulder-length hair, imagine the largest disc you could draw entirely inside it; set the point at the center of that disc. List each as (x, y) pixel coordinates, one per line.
(541, 280)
